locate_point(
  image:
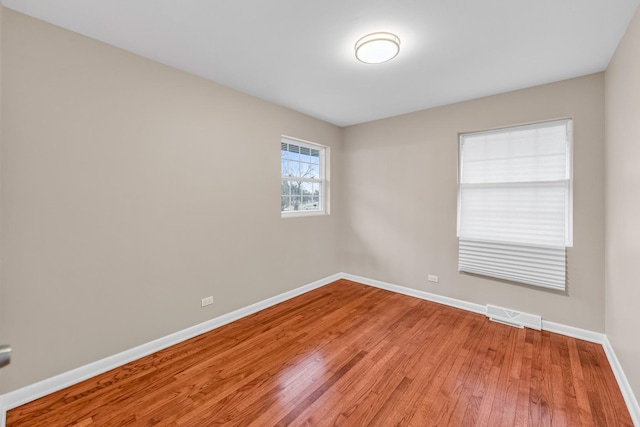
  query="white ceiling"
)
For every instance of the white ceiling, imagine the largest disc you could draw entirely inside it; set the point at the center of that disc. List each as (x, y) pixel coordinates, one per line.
(299, 53)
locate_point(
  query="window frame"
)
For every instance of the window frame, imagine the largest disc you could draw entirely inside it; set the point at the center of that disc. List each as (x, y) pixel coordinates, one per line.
(323, 179)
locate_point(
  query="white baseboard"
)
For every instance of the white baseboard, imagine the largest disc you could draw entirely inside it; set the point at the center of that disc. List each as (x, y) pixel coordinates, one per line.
(451, 302)
(34, 391)
(623, 383)
(570, 331)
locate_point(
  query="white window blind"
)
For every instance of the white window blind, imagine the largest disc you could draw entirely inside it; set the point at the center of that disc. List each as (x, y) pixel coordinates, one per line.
(515, 203)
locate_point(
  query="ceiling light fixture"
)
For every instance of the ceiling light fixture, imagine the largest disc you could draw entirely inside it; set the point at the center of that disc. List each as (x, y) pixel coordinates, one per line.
(376, 48)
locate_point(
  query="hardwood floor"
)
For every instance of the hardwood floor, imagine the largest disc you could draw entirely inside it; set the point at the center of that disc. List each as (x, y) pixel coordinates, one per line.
(350, 355)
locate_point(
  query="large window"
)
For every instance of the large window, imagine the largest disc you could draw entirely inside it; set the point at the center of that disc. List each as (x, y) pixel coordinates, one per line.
(304, 183)
(515, 203)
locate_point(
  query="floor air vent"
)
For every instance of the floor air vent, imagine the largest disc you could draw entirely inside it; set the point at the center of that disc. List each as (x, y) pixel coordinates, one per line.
(514, 318)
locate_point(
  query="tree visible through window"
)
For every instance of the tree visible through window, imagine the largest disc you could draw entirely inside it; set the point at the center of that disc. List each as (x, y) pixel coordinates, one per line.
(303, 177)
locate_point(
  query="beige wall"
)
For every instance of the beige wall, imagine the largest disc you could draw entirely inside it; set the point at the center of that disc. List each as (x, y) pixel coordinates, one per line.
(131, 190)
(401, 181)
(622, 101)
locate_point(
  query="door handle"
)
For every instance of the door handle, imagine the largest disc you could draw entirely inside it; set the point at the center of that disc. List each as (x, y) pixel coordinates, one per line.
(5, 355)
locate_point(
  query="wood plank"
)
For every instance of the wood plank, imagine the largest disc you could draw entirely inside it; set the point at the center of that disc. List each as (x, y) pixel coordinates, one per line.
(351, 355)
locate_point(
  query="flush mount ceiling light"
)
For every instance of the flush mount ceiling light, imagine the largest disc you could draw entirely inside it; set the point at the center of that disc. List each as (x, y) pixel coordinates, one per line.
(376, 48)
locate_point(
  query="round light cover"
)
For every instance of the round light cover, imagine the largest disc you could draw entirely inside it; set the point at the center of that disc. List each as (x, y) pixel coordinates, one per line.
(376, 48)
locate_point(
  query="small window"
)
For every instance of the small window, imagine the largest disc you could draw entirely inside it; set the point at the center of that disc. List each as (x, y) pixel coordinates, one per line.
(304, 178)
(515, 203)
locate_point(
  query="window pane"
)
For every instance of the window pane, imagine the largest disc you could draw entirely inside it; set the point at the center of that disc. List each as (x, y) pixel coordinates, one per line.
(516, 155)
(515, 213)
(315, 156)
(286, 188)
(296, 201)
(307, 188)
(305, 154)
(314, 171)
(294, 151)
(284, 203)
(303, 170)
(295, 188)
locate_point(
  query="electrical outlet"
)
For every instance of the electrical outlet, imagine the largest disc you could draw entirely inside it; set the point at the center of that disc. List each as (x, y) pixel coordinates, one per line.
(432, 278)
(207, 301)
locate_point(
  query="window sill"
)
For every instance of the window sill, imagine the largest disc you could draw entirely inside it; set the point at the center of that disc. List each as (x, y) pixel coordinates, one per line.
(297, 214)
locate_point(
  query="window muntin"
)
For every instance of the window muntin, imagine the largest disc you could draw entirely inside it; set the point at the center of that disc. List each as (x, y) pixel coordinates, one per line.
(303, 170)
